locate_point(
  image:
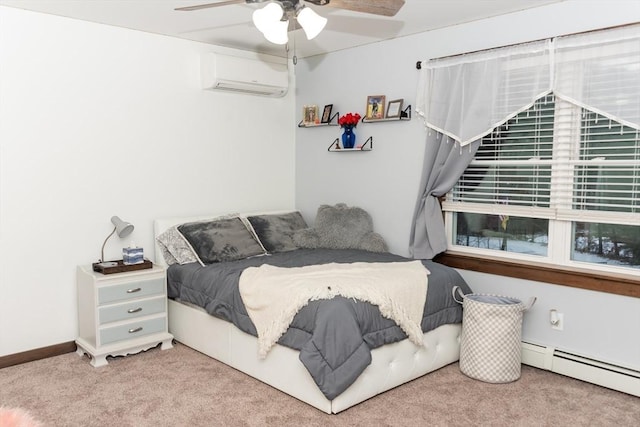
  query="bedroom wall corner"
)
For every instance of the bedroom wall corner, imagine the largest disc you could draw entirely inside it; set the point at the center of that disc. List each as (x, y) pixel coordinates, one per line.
(99, 121)
(385, 180)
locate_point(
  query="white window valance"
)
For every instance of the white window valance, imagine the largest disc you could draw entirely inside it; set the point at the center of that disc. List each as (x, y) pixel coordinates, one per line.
(600, 71)
(465, 97)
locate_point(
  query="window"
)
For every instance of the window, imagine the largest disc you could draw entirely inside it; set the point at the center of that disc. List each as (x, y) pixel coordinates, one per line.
(553, 128)
(556, 183)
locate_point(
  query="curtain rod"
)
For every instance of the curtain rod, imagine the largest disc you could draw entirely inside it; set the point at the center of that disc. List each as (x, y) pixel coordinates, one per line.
(419, 63)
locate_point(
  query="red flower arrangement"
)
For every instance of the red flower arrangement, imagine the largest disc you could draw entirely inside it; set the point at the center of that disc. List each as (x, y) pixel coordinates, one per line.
(349, 119)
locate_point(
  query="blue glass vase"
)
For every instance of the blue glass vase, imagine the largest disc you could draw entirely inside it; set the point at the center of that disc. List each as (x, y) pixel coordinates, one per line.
(348, 137)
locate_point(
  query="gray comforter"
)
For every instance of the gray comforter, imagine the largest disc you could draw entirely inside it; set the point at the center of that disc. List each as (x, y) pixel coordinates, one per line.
(333, 365)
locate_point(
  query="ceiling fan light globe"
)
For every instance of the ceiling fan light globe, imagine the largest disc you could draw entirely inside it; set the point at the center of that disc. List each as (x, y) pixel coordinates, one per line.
(311, 22)
(277, 33)
(264, 18)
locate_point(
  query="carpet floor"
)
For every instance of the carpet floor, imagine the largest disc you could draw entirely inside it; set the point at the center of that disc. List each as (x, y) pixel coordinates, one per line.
(181, 387)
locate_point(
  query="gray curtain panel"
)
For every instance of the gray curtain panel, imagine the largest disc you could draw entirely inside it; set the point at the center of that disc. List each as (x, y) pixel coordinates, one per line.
(463, 98)
(444, 163)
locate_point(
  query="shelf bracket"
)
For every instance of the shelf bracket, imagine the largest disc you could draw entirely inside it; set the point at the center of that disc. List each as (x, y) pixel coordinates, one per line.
(367, 146)
(406, 113)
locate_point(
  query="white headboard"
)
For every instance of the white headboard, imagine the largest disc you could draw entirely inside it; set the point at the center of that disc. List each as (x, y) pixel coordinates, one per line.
(162, 224)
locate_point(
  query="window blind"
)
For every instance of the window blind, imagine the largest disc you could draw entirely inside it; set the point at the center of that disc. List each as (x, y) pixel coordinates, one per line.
(514, 163)
(607, 168)
(557, 166)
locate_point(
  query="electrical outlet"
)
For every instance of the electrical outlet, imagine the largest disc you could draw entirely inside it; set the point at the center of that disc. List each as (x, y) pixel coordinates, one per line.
(559, 326)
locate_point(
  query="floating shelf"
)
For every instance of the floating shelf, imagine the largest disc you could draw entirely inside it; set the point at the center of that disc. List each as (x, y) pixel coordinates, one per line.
(330, 123)
(404, 115)
(335, 146)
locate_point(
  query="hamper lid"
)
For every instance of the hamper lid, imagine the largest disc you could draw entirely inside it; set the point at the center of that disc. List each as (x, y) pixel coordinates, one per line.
(493, 299)
(490, 299)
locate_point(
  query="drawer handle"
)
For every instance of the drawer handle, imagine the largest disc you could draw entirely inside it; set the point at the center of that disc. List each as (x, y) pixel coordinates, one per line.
(130, 291)
(134, 330)
(134, 310)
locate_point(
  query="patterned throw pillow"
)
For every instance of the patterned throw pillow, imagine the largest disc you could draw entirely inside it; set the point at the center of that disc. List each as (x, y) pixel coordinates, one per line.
(175, 249)
(220, 240)
(275, 231)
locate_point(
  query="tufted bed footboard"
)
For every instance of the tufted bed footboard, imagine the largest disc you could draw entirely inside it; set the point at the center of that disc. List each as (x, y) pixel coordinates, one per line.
(391, 365)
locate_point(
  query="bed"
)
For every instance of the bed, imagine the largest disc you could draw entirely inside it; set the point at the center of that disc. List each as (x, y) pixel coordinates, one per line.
(390, 365)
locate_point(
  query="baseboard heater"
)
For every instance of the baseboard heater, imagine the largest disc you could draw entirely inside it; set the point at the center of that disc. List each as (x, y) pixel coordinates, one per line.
(582, 368)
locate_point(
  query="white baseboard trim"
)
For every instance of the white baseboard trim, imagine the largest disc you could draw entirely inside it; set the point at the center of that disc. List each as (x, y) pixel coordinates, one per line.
(582, 368)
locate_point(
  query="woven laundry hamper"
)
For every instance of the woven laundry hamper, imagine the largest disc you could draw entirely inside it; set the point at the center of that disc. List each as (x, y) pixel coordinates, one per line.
(490, 346)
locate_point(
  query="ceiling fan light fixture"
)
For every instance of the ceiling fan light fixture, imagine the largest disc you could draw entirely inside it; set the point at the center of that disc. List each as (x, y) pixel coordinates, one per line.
(266, 17)
(269, 21)
(311, 22)
(278, 32)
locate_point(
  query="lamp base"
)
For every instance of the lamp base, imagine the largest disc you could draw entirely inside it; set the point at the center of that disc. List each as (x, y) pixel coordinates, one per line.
(108, 264)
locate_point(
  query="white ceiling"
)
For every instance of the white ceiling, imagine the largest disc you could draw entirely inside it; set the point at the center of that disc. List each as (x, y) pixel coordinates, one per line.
(231, 25)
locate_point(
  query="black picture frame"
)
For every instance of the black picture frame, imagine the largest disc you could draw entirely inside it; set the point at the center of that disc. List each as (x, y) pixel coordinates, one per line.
(326, 113)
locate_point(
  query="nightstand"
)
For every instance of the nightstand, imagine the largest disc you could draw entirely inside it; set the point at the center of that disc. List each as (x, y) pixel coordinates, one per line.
(121, 313)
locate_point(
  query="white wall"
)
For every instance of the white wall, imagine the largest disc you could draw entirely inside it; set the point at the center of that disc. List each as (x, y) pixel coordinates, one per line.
(385, 180)
(98, 121)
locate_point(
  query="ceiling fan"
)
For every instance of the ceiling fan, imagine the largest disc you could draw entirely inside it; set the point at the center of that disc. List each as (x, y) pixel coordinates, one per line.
(280, 16)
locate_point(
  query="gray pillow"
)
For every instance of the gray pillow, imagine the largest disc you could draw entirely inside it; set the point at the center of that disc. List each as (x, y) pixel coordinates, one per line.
(275, 231)
(220, 240)
(341, 227)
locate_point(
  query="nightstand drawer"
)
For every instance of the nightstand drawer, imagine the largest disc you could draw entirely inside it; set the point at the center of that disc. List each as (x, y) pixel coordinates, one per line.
(132, 330)
(132, 290)
(131, 310)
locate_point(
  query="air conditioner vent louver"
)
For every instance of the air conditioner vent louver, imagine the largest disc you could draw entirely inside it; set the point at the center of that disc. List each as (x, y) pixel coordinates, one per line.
(250, 76)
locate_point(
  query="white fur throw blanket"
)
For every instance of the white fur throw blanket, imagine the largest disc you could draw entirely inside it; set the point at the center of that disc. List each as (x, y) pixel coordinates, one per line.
(274, 295)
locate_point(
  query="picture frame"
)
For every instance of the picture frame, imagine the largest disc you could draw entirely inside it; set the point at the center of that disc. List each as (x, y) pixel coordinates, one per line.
(375, 107)
(326, 113)
(394, 108)
(310, 115)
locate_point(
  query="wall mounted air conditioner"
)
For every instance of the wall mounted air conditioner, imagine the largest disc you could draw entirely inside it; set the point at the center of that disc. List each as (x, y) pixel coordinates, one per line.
(235, 74)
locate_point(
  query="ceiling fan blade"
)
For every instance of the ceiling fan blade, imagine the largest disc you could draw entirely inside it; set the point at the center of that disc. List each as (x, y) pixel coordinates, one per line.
(376, 7)
(208, 5)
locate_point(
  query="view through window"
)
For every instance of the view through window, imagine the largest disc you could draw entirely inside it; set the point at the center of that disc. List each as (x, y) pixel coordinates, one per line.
(556, 182)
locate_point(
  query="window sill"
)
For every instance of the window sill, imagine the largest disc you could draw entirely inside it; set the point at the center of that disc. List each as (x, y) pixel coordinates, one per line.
(576, 278)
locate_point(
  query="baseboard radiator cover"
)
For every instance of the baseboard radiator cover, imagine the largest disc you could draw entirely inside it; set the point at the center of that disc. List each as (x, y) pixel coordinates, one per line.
(572, 365)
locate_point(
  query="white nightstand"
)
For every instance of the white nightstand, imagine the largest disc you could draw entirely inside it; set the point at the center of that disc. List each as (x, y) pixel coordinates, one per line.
(121, 313)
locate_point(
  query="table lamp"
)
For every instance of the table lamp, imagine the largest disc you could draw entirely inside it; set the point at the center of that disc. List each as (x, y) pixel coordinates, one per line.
(123, 229)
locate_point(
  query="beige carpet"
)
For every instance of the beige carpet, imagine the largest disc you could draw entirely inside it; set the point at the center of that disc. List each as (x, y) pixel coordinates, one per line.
(181, 387)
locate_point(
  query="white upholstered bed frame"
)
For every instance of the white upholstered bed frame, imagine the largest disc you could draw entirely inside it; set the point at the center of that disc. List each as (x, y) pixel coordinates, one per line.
(391, 365)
